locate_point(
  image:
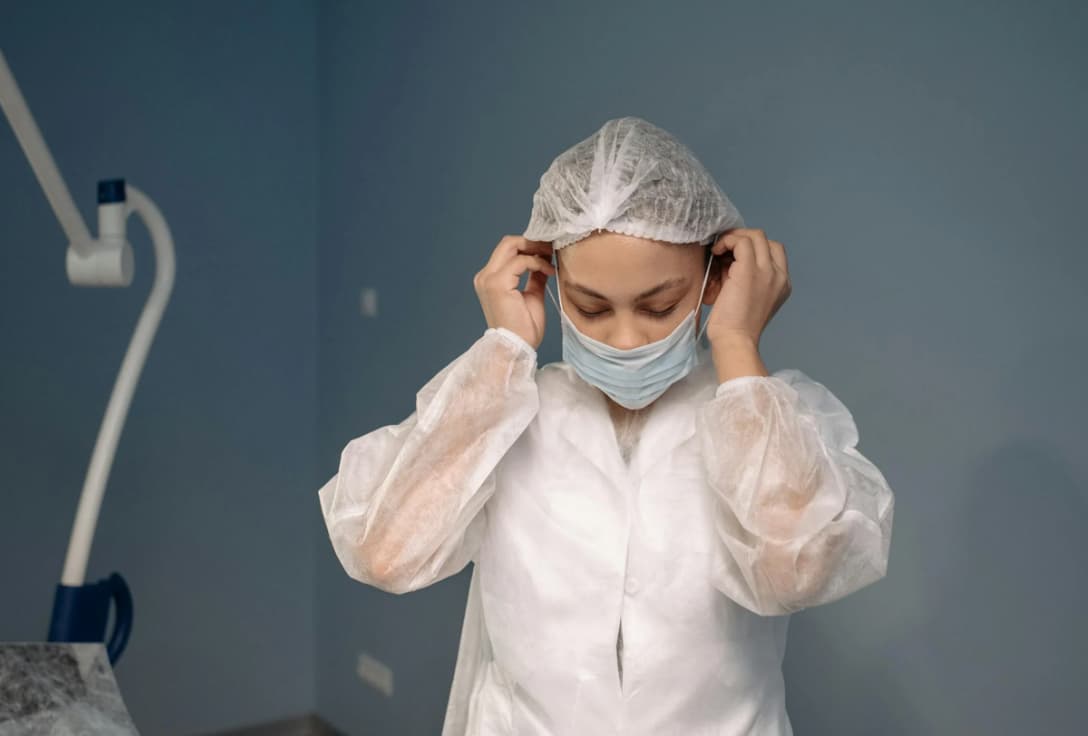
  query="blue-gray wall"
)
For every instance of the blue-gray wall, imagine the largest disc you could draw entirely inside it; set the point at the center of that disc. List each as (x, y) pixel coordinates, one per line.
(210, 108)
(924, 166)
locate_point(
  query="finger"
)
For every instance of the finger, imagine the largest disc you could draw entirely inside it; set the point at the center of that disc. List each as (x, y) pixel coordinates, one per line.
(760, 247)
(778, 255)
(536, 248)
(513, 245)
(520, 264)
(726, 244)
(724, 261)
(503, 252)
(536, 244)
(536, 284)
(720, 244)
(545, 255)
(731, 235)
(740, 247)
(527, 262)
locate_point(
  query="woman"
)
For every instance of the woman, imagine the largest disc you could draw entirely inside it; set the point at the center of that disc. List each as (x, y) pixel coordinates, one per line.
(645, 515)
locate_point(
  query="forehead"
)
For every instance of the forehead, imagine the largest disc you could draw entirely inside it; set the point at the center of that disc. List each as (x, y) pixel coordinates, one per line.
(621, 265)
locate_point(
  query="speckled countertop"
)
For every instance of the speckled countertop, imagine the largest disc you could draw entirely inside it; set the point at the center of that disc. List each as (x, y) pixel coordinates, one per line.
(59, 690)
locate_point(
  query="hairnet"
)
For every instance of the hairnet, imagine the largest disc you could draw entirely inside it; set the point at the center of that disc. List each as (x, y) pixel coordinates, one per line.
(634, 178)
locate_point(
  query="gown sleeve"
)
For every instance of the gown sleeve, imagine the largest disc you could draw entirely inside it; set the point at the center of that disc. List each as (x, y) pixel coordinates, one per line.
(803, 517)
(406, 507)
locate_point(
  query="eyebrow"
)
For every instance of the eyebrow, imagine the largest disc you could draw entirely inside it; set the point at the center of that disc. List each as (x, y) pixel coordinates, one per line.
(644, 295)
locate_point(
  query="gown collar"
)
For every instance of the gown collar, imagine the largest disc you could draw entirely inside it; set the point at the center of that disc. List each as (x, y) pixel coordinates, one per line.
(586, 427)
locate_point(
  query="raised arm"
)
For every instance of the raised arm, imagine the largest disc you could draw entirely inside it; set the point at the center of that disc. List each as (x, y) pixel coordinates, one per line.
(406, 508)
(803, 517)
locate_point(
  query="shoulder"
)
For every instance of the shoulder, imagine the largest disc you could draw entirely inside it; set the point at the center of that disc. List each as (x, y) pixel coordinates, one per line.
(559, 385)
(556, 376)
(815, 394)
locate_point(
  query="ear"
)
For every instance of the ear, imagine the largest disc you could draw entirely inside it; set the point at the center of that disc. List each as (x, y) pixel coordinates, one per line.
(713, 282)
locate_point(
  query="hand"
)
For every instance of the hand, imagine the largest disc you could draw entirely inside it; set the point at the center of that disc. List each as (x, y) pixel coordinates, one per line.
(754, 285)
(497, 286)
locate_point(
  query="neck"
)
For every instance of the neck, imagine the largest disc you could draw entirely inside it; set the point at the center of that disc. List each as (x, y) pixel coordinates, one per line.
(618, 411)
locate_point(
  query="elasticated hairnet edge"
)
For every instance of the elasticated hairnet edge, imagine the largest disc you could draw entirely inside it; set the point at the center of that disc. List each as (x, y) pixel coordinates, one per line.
(665, 235)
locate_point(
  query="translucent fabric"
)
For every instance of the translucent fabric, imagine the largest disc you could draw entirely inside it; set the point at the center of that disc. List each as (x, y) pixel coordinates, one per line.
(405, 507)
(804, 517)
(634, 178)
(739, 504)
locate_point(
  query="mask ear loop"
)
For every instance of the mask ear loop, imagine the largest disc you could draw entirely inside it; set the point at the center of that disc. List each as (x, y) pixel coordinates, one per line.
(699, 306)
(558, 304)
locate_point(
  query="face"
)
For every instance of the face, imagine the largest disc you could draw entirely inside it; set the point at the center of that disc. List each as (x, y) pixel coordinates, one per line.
(627, 291)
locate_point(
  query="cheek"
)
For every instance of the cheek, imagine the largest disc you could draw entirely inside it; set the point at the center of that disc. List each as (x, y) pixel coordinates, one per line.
(586, 326)
(649, 329)
(664, 328)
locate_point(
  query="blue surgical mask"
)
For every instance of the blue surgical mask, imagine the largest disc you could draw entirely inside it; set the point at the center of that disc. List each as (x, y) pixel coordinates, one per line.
(633, 378)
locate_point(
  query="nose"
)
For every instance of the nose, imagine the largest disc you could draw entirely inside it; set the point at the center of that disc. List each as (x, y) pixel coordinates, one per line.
(626, 336)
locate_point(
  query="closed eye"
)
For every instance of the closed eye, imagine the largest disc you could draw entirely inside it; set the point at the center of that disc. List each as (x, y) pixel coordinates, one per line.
(655, 314)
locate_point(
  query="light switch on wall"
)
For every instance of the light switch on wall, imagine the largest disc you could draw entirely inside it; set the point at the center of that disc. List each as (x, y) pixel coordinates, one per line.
(375, 673)
(368, 302)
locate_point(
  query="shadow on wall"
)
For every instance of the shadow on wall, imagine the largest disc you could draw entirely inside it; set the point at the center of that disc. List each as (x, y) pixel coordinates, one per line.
(1012, 592)
(846, 691)
(1016, 594)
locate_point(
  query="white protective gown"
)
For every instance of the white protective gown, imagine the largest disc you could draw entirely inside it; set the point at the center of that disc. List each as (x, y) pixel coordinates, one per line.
(741, 503)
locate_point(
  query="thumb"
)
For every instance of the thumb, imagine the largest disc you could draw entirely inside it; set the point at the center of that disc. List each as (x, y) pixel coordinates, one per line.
(534, 287)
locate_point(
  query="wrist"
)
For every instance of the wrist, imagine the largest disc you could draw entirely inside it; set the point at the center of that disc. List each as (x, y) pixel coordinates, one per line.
(515, 338)
(738, 346)
(733, 341)
(736, 356)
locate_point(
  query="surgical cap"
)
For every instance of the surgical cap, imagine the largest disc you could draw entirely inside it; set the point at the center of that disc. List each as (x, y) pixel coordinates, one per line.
(634, 178)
